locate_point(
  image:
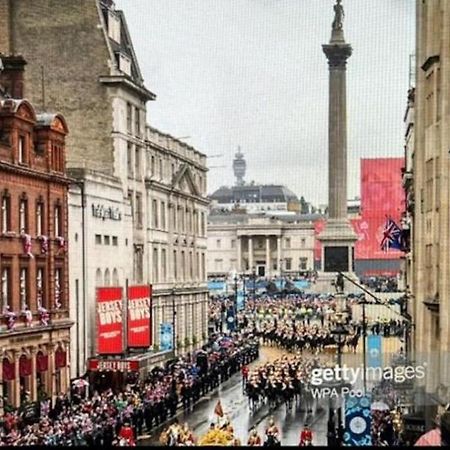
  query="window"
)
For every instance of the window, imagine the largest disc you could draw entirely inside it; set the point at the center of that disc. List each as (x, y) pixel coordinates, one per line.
(106, 240)
(191, 266)
(115, 241)
(114, 27)
(181, 217)
(163, 216)
(303, 242)
(23, 284)
(137, 122)
(139, 259)
(129, 117)
(21, 150)
(218, 243)
(58, 287)
(203, 224)
(173, 214)
(188, 221)
(152, 165)
(287, 243)
(58, 231)
(107, 278)
(130, 159)
(303, 263)
(155, 213)
(115, 277)
(23, 206)
(175, 265)
(6, 287)
(173, 170)
(233, 243)
(137, 162)
(288, 263)
(98, 239)
(155, 265)
(40, 292)
(6, 213)
(429, 185)
(183, 265)
(130, 199)
(203, 274)
(218, 263)
(161, 168)
(139, 209)
(164, 265)
(39, 219)
(98, 278)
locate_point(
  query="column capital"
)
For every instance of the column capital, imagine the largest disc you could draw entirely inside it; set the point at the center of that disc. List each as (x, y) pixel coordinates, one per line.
(337, 54)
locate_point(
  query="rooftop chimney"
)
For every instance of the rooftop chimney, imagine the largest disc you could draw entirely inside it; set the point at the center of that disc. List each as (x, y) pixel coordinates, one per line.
(11, 77)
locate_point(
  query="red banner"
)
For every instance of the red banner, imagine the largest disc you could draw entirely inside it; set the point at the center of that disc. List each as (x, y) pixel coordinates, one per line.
(109, 321)
(382, 196)
(139, 317)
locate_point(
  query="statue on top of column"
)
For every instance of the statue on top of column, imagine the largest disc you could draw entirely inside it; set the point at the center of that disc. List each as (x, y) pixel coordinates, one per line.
(339, 16)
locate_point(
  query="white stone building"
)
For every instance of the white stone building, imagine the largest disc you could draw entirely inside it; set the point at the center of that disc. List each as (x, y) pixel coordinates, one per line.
(272, 246)
(177, 210)
(101, 252)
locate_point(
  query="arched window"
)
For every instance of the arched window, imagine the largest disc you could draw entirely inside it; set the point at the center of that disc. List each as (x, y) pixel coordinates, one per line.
(115, 278)
(98, 278)
(107, 278)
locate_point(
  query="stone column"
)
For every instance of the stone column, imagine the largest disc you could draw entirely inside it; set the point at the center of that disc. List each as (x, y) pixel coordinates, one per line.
(267, 256)
(279, 255)
(250, 252)
(337, 53)
(16, 391)
(51, 373)
(2, 409)
(239, 254)
(33, 379)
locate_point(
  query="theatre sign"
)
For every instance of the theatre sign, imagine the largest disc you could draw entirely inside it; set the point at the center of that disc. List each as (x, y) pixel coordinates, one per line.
(106, 212)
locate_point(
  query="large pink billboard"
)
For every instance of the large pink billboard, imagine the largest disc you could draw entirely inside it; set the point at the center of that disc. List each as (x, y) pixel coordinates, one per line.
(382, 196)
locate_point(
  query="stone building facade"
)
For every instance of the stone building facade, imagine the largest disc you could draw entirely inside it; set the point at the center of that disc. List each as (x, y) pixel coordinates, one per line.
(271, 246)
(431, 228)
(177, 215)
(35, 328)
(99, 88)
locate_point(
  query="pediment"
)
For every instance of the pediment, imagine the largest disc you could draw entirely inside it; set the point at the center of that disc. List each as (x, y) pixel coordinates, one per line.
(184, 181)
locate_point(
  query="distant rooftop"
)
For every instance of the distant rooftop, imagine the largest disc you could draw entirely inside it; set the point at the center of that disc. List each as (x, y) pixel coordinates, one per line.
(270, 193)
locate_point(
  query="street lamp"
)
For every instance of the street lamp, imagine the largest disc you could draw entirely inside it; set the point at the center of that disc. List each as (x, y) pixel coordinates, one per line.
(340, 332)
(174, 323)
(254, 283)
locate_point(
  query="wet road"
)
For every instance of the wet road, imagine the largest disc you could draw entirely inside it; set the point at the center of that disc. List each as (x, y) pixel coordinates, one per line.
(235, 405)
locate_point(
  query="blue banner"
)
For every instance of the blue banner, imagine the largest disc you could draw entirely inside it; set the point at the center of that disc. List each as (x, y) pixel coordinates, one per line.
(301, 284)
(231, 320)
(374, 351)
(240, 299)
(216, 285)
(166, 336)
(358, 421)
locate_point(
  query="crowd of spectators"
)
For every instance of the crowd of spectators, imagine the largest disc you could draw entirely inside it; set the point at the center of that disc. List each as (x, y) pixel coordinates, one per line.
(381, 284)
(118, 418)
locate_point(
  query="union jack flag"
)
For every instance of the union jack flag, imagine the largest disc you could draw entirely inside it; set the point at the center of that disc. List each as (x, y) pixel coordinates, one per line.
(392, 236)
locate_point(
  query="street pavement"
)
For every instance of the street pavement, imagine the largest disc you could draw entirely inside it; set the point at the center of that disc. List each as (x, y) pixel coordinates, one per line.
(235, 405)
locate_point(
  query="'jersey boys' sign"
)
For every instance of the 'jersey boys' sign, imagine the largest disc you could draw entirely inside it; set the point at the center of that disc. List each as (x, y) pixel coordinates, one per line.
(139, 316)
(109, 321)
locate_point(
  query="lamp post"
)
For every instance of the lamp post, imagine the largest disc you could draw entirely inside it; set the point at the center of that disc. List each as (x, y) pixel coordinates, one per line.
(174, 323)
(340, 332)
(235, 300)
(254, 283)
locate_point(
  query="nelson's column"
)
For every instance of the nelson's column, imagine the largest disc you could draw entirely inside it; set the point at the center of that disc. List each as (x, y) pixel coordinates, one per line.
(338, 237)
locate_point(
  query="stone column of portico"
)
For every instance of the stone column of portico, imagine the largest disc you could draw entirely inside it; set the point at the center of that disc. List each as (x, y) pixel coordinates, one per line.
(239, 254)
(267, 256)
(279, 255)
(33, 379)
(250, 253)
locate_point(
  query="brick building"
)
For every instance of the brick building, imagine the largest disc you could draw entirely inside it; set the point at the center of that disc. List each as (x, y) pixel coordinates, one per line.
(34, 328)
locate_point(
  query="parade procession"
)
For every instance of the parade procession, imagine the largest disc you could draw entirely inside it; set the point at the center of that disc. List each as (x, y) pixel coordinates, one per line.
(224, 223)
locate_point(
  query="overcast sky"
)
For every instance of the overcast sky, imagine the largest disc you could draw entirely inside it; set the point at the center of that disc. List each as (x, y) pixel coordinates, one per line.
(252, 73)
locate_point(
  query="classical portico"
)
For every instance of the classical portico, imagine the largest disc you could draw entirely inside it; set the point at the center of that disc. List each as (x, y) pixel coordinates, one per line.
(259, 250)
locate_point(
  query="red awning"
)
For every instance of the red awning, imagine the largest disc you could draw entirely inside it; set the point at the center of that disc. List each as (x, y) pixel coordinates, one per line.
(9, 370)
(41, 362)
(24, 366)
